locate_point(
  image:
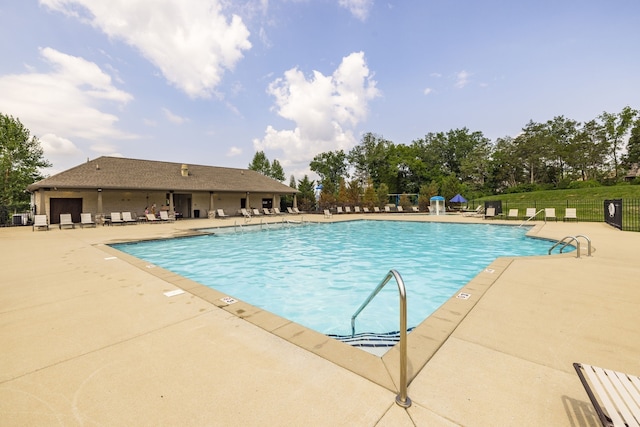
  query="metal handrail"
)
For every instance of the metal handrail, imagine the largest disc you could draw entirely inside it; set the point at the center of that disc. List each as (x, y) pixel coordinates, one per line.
(571, 238)
(401, 399)
(531, 217)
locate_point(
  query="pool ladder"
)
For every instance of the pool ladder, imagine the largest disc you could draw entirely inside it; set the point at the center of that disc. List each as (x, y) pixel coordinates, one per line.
(568, 239)
(401, 399)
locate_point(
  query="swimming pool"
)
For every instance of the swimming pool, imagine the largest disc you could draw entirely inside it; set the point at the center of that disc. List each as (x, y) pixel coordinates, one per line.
(318, 275)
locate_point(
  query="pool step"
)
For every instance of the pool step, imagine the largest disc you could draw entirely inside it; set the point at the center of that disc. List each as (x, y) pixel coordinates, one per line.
(370, 339)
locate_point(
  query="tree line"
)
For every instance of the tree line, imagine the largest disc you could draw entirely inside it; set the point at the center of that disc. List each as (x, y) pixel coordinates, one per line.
(556, 154)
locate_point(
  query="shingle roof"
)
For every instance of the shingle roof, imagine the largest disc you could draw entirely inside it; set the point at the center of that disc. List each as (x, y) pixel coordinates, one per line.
(121, 173)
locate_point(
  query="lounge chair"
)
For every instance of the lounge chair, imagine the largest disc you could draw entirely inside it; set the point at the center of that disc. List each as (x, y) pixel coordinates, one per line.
(297, 211)
(550, 213)
(339, 210)
(400, 208)
(614, 395)
(245, 213)
(479, 211)
(530, 213)
(513, 214)
(40, 222)
(255, 212)
(327, 214)
(127, 218)
(164, 216)
(490, 213)
(221, 214)
(376, 209)
(415, 209)
(277, 211)
(356, 209)
(290, 210)
(569, 214)
(116, 218)
(66, 221)
(86, 221)
(347, 209)
(366, 210)
(266, 211)
(151, 218)
(387, 209)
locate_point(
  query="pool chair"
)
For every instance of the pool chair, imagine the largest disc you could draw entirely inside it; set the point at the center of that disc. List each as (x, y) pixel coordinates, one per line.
(277, 211)
(366, 210)
(221, 214)
(387, 209)
(347, 209)
(490, 213)
(400, 208)
(415, 209)
(116, 218)
(40, 222)
(356, 209)
(479, 211)
(615, 396)
(290, 210)
(376, 209)
(550, 213)
(339, 210)
(127, 218)
(297, 211)
(86, 221)
(164, 216)
(569, 214)
(266, 211)
(245, 213)
(530, 213)
(327, 214)
(66, 221)
(255, 212)
(513, 214)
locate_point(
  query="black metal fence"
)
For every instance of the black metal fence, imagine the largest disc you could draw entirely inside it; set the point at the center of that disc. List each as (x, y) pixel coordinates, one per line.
(586, 210)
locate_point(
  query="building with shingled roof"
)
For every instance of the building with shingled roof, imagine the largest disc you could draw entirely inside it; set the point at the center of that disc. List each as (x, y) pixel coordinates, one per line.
(116, 184)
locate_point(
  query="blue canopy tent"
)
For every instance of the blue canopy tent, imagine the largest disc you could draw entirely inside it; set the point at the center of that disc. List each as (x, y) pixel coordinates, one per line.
(459, 200)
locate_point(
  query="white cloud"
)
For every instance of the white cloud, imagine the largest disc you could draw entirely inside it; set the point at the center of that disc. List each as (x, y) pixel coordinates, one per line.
(64, 102)
(192, 42)
(57, 145)
(427, 91)
(462, 79)
(234, 151)
(358, 8)
(325, 110)
(174, 118)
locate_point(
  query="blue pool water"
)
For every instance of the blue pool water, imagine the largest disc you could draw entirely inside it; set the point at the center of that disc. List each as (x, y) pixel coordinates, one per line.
(318, 275)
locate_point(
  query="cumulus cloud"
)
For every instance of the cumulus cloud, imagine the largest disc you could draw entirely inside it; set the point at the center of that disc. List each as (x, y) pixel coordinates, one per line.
(57, 145)
(462, 79)
(358, 8)
(174, 118)
(325, 110)
(192, 42)
(234, 151)
(65, 102)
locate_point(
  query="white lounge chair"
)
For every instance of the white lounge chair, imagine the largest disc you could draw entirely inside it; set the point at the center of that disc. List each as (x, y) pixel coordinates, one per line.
(290, 210)
(151, 218)
(387, 209)
(479, 211)
(164, 216)
(116, 218)
(530, 213)
(415, 209)
(376, 209)
(245, 213)
(297, 211)
(365, 210)
(277, 211)
(615, 396)
(339, 210)
(66, 221)
(40, 222)
(356, 209)
(266, 211)
(127, 218)
(400, 208)
(490, 213)
(86, 221)
(347, 209)
(327, 214)
(550, 213)
(569, 214)
(513, 214)
(255, 212)
(221, 214)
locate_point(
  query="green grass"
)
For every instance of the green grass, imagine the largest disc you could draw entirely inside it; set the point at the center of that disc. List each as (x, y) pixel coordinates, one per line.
(597, 193)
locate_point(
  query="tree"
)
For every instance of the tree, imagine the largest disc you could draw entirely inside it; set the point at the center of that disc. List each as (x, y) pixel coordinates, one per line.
(633, 145)
(276, 171)
(21, 157)
(615, 127)
(260, 163)
(330, 166)
(307, 196)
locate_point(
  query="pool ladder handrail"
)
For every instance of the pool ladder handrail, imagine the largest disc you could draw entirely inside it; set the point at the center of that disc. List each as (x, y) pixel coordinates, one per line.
(401, 399)
(531, 217)
(570, 239)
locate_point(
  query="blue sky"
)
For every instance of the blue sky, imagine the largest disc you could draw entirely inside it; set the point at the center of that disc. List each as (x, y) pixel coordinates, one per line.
(213, 81)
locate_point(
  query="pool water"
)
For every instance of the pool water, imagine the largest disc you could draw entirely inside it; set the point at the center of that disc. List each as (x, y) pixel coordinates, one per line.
(318, 275)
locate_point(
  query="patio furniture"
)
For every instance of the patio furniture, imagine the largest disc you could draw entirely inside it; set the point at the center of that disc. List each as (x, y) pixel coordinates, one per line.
(569, 214)
(86, 221)
(40, 222)
(66, 221)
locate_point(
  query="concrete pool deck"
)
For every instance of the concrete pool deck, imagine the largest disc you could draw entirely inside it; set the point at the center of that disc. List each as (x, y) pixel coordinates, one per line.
(90, 338)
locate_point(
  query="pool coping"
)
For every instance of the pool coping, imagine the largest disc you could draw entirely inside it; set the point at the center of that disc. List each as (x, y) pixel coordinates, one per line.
(422, 343)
